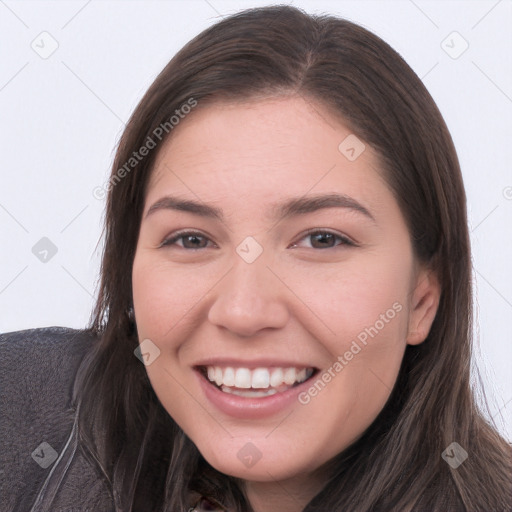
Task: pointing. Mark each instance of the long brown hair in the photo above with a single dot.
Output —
(397, 463)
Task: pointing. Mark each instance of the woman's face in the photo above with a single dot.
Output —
(270, 248)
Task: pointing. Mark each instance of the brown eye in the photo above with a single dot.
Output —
(188, 240)
(194, 242)
(323, 240)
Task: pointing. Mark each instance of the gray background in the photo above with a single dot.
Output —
(62, 114)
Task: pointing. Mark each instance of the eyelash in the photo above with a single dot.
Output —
(344, 239)
(182, 234)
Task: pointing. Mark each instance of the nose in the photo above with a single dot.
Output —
(249, 299)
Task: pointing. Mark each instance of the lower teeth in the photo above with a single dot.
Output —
(249, 393)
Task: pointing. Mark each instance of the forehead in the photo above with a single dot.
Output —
(263, 149)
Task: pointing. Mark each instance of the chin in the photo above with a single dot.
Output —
(260, 460)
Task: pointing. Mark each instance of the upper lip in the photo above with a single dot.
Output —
(252, 364)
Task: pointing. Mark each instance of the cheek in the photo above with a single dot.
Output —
(368, 316)
(358, 313)
(166, 300)
(164, 296)
(363, 300)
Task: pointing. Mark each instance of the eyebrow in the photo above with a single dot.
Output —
(303, 205)
(290, 208)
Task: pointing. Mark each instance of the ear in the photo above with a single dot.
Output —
(423, 306)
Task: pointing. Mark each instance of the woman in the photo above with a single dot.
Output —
(287, 256)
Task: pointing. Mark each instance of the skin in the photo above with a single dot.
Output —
(294, 299)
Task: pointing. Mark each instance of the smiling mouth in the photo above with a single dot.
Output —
(256, 383)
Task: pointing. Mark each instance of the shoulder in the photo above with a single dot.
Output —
(48, 354)
(30, 341)
(37, 373)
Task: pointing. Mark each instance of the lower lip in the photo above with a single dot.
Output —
(250, 408)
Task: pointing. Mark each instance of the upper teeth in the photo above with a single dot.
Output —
(259, 378)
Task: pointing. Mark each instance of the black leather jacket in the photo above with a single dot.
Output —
(42, 467)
